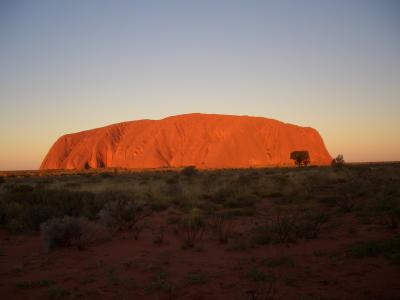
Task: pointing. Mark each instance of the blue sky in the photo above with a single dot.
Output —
(67, 66)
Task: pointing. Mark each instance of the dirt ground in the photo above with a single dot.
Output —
(125, 268)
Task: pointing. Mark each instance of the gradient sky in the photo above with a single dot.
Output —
(67, 66)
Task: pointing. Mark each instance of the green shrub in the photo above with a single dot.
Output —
(389, 248)
(159, 283)
(277, 262)
(365, 249)
(24, 285)
(197, 277)
(256, 274)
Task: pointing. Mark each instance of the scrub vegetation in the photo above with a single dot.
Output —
(275, 233)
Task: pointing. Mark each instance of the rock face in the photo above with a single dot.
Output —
(202, 140)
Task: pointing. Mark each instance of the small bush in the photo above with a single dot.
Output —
(222, 226)
(240, 212)
(262, 235)
(23, 208)
(24, 285)
(365, 249)
(256, 274)
(36, 215)
(106, 175)
(70, 231)
(346, 203)
(12, 216)
(241, 201)
(283, 228)
(389, 248)
(19, 188)
(261, 293)
(158, 235)
(223, 195)
(125, 214)
(311, 224)
(388, 211)
(191, 228)
(2, 180)
(287, 228)
(189, 171)
(197, 277)
(56, 293)
(159, 283)
(277, 262)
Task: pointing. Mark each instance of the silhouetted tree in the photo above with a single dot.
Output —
(300, 158)
(338, 162)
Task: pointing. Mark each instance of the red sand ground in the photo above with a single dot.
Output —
(202, 140)
(123, 268)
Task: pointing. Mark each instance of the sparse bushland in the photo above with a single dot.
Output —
(24, 208)
(256, 222)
